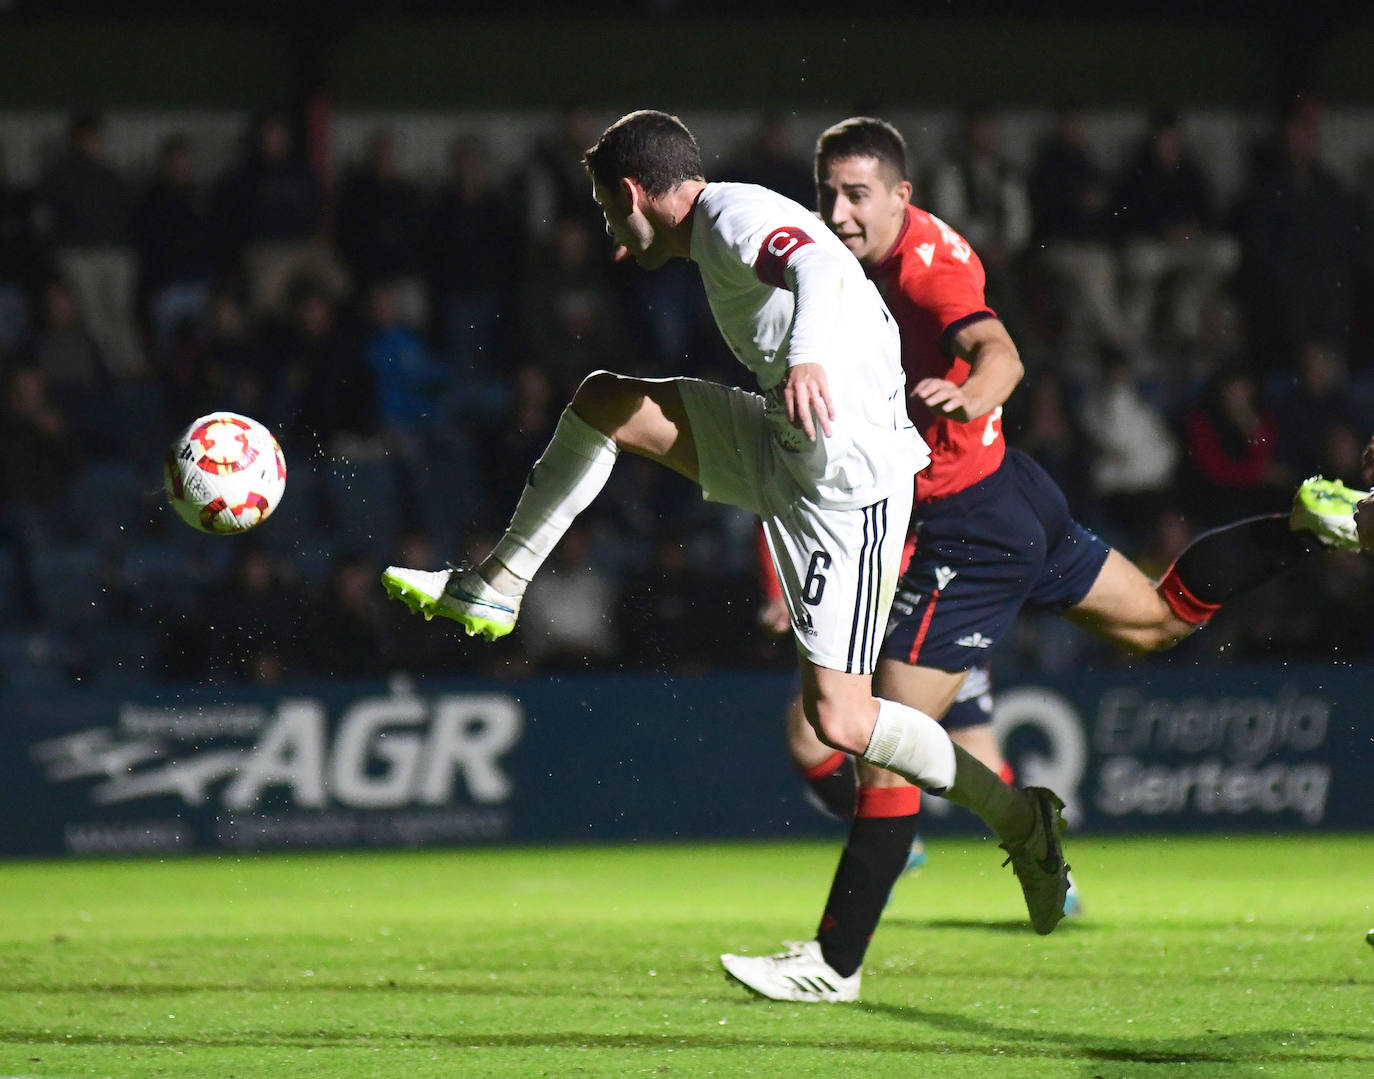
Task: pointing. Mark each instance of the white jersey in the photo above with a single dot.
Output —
(785, 291)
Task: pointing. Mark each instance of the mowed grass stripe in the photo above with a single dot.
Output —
(1198, 956)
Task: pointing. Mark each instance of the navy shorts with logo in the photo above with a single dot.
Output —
(981, 555)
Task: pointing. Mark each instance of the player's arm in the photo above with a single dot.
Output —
(994, 370)
(815, 276)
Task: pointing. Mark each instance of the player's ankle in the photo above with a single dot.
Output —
(496, 574)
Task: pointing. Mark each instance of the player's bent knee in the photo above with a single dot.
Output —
(840, 728)
(602, 396)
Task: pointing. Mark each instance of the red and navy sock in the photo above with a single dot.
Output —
(874, 856)
(1230, 560)
(835, 783)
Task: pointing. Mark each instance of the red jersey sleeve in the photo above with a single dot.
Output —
(933, 283)
(943, 275)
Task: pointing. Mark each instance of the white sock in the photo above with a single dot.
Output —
(913, 745)
(574, 467)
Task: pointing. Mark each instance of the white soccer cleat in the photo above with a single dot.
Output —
(799, 974)
(456, 593)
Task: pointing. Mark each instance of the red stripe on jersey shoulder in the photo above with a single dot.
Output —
(779, 246)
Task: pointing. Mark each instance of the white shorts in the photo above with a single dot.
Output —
(838, 567)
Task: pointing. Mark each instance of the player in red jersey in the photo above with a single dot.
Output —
(992, 532)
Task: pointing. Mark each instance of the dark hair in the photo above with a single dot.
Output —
(862, 136)
(650, 147)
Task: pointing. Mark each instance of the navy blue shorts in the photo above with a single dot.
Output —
(981, 555)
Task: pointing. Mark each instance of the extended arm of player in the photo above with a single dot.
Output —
(994, 370)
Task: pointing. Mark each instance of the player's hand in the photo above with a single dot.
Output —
(1364, 522)
(773, 616)
(943, 398)
(806, 393)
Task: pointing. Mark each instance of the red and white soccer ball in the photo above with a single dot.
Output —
(225, 474)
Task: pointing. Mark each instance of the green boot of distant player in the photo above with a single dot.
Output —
(1326, 508)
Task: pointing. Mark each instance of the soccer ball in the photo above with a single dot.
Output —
(225, 474)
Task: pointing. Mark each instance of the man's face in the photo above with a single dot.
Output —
(630, 230)
(864, 203)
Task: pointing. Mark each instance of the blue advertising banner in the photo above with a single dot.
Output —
(449, 762)
(398, 764)
(1207, 749)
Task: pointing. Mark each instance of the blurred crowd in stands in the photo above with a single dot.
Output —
(412, 344)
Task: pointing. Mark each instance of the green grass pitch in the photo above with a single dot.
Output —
(1197, 957)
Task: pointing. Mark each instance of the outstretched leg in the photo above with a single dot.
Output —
(1123, 606)
(607, 414)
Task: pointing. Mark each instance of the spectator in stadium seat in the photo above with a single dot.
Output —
(176, 248)
(84, 208)
(381, 229)
(325, 392)
(475, 269)
(1299, 239)
(983, 196)
(768, 156)
(274, 209)
(1043, 421)
(553, 185)
(571, 319)
(573, 610)
(412, 387)
(1318, 400)
(1070, 204)
(662, 608)
(508, 443)
(247, 627)
(72, 362)
(1170, 228)
(40, 443)
(1232, 450)
(1135, 454)
(229, 367)
(347, 639)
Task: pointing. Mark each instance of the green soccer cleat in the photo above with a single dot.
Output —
(459, 594)
(1326, 508)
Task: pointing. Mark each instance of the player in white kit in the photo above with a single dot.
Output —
(825, 454)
